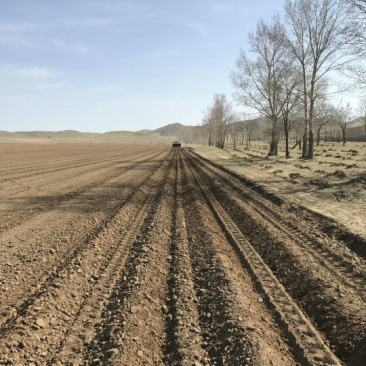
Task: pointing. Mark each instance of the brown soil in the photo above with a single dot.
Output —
(147, 255)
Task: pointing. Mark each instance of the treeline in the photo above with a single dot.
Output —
(242, 133)
(289, 74)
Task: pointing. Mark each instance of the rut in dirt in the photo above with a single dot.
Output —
(335, 309)
(184, 266)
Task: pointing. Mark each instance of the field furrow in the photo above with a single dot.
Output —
(19, 210)
(56, 237)
(149, 255)
(184, 342)
(323, 291)
(64, 179)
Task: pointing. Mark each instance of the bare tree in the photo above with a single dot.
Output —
(248, 128)
(359, 4)
(362, 112)
(356, 36)
(207, 124)
(316, 38)
(357, 29)
(217, 118)
(200, 133)
(234, 130)
(258, 81)
(324, 114)
(297, 129)
(291, 97)
(243, 128)
(242, 133)
(344, 117)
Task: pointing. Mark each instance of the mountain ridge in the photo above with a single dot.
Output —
(167, 132)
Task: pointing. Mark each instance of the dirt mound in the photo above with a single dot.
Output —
(320, 183)
(338, 174)
(358, 180)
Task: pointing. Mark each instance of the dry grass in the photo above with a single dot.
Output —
(333, 183)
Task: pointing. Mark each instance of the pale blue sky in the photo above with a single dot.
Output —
(102, 65)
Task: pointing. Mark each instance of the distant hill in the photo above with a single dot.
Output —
(173, 129)
(356, 123)
(121, 133)
(166, 133)
(260, 122)
(67, 135)
(55, 134)
(143, 131)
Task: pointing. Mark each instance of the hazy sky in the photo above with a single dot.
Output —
(101, 65)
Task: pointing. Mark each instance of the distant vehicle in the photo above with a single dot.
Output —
(176, 144)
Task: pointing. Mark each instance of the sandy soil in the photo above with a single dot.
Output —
(148, 255)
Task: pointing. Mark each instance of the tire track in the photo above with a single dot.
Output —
(226, 341)
(184, 338)
(349, 269)
(334, 307)
(264, 342)
(308, 344)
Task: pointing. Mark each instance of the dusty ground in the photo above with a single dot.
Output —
(332, 184)
(70, 136)
(148, 255)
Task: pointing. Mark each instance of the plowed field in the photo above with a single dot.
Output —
(148, 255)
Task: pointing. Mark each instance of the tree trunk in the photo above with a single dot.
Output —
(306, 115)
(273, 147)
(344, 136)
(305, 139)
(305, 143)
(310, 153)
(311, 145)
(318, 137)
(285, 122)
(222, 142)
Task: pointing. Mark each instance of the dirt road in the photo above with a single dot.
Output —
(147, 255)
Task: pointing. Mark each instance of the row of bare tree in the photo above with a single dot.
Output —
(216, 120)
(289, 73)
